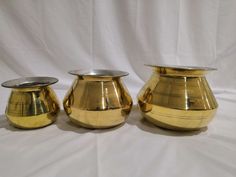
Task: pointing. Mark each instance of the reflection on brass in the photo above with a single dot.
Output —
(178, 98)
(98, 99)
(32, 103)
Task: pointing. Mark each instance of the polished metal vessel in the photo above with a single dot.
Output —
(178, 98)
(98, 99)
(32, 103)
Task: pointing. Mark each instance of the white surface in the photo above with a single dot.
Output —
(51, 37)
(135, 149)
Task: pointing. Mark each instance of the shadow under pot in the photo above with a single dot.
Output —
(32, 103)
(98, 99)
(178, 98)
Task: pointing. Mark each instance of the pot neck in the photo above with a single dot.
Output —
(98, 79)
(98, 74)
(29, 89)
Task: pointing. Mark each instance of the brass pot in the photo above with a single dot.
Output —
(178, 98)
(98, 99)
(32, 103)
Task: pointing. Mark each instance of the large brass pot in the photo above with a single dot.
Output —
(32, 103)
(98, 99)
(178, 98)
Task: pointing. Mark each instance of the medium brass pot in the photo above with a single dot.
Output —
(32, 103)
(178, 98)
(98, 99)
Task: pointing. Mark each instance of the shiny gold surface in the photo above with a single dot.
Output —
(98, 99)
(32, 103)
(178, 98)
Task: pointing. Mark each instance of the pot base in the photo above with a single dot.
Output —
(185, 120)
(97, 119)
(169, 127)
(88, 126)
(32, 122)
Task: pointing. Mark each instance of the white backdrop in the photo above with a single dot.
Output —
(51, 37)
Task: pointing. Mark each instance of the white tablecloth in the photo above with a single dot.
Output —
(49, 38)
(136, 148)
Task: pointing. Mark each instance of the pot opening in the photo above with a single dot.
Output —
(29, 82)
(174, 70)
(178, 67)
(99, 73)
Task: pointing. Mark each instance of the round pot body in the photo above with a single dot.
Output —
(32, 103)
(178, 98)
(98, 99)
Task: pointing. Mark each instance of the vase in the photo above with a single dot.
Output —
(178, 98)
(98, 99)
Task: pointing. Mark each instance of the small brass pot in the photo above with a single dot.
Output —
(32, 103)
(178, 98)
(98, 99)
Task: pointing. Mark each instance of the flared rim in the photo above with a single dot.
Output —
(179, 67)
(103, 73)
(29, 82)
